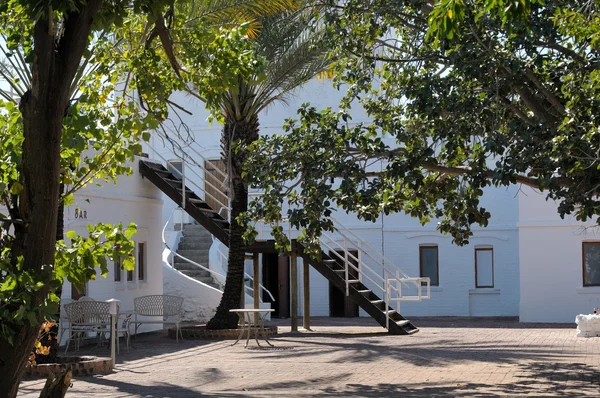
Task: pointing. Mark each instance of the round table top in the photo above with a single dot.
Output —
(252, 310)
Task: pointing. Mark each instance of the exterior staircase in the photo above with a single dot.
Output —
(366, 299)
(195, 246)
(336, 272)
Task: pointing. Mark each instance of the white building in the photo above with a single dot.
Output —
(132, 199)
(527, 263)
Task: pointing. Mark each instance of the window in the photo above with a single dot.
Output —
(176, 167)
(117, 269)
(141, 261)
(76, 294)
(428, 261)
(484, 267)
(129, 276)
(591, 263)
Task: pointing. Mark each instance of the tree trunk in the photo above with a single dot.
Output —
(245, 132)
(57, 385)
(232, 293)
(42, 107)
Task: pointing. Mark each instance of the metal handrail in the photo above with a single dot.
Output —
(260, 285)
(185, 180)
(175, 254)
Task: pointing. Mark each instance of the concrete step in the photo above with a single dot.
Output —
(193, 253)
(194, 244)
(208, 280)
(198, 274)
(196, 233)
(190, 267)
(194, 227)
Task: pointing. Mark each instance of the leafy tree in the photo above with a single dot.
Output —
(292, 55)
(61, 123)
(461, 95)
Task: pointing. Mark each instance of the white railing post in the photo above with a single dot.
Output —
(387, 300)
(183, 182)
(346, 266)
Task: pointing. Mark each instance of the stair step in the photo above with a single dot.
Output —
(193, 253)
(197, 202)
(402, 323)
(364, 291)
(413, 331)
(196, 234)
(390, 312)
(154, 166)
(375, 302)
(195, 244)
(354, 281)
(198, 274)
(190, 267)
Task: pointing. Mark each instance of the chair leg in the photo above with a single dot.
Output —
(118, 344)
(68, 341)
(127, 341)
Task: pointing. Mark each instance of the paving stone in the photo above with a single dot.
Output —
(355, 357)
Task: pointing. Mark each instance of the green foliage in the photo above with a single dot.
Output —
(460, 96)
(76, 262)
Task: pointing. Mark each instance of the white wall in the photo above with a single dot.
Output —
(550, 253)
(456, 294)
(133, 199)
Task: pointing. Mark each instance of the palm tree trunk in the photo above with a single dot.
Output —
(246, 133)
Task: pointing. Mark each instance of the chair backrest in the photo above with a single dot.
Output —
(85, 298)
(88, 312)
(158, 305)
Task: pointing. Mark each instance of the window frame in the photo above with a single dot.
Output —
(437, 262)
(583, 264)
(118, 272)
(141, 265)
(491, 249)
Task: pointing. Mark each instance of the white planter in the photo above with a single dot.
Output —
(588, 325)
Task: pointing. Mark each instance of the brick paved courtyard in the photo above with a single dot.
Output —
(353, 357)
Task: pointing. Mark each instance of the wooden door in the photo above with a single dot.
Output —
(214, 187)
(283, 271)
(276, 278)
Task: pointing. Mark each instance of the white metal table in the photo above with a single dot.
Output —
(247, 317)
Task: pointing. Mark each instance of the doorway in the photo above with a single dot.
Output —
(276, 278)
(339, 304)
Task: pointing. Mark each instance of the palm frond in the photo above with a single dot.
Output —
(295, 54)
(234, 12)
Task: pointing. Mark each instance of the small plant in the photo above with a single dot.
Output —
(45, 349)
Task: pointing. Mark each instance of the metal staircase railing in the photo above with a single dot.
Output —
(372, 268)
(200, 177)
(173, 254)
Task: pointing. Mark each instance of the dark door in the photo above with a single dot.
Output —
(339, 304)
(276, 278)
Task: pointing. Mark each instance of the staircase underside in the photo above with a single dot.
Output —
(200, 211)
(360, 294)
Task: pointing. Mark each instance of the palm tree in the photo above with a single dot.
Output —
(294, 54)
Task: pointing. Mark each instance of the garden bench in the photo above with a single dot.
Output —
(163, 306)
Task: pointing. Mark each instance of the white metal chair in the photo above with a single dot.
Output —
(123, 323)
(86, 317)
(163, 306)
